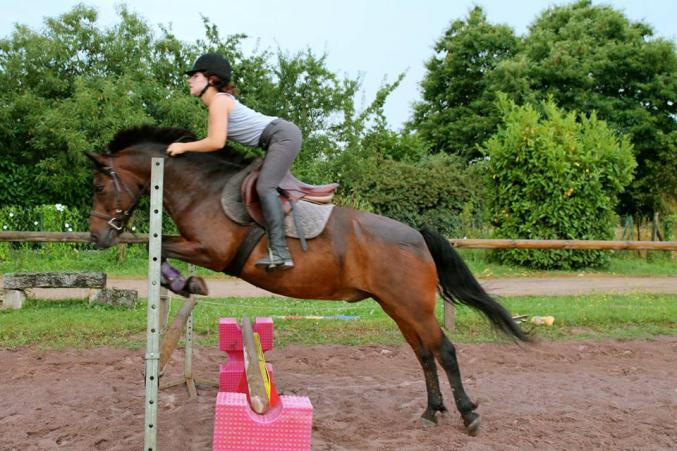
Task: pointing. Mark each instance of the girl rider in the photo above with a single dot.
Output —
(210, 80)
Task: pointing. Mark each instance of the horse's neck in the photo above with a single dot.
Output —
(183, 190)
(186, 190)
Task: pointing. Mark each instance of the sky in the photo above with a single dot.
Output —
(375, 40)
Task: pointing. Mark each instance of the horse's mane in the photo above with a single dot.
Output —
(147, 134)
(166, 135)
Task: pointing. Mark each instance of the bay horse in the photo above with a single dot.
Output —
(359, 255)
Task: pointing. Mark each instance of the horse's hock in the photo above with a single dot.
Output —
(16, 284)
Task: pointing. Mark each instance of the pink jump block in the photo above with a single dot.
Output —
(231, 374)
(233, 378)
(286, 427)
(230, 334)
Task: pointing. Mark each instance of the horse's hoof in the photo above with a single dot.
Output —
(426, 423)
(474, 427)
(197, 285)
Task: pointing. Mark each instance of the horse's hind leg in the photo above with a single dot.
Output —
(447, 358)
(422, 331)
(426, 358)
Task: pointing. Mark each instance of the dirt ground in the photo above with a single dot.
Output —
(619, 395)
(504, 286)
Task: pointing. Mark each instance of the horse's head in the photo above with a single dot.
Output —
(116, 193)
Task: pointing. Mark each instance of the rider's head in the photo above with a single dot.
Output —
(210, 69)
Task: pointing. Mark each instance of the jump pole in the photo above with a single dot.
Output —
(152, 358)
(170, 341)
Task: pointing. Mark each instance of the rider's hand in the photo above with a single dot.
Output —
(175, 149)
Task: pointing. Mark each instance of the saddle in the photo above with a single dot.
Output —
(291, 190)
(310, 207)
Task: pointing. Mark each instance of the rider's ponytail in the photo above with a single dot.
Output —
(223, 86)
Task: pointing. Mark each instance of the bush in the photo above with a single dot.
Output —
(555, 175)
(439, 191)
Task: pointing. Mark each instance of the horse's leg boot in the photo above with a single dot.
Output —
(175, 282)
(278, 252)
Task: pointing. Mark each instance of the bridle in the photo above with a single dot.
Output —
(119, 220)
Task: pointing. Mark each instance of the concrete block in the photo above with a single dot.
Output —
(114, 296)
(13, 299)
(23, 280)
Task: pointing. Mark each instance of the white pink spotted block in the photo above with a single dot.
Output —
(286, 426)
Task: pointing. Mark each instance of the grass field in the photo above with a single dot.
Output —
(132, 261)
(58, 324)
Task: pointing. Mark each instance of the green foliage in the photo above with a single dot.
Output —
(48, 218)
(592, 58)
(588, 58)
(458, 107)
(393, 177)
(556, 176)
(71, 86)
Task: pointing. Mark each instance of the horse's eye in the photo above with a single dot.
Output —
(98, 188)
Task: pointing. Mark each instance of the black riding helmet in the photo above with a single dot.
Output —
(212, 64)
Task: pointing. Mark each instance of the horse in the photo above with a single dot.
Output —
(358, 255)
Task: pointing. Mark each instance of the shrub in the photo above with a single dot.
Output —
(439, 191)
(555, 175)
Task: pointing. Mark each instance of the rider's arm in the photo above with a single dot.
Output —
(217, 129)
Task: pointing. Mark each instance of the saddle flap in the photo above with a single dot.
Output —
(292, 190)
(240, 203)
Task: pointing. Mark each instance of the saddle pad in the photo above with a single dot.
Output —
(313, 217)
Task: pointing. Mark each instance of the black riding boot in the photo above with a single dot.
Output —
(278, 252)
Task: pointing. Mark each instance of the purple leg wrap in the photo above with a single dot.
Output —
(173, 277)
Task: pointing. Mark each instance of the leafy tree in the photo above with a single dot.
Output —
(586, 58)
(458, 109)
(592, 58)
(555, 175)
(69, 87)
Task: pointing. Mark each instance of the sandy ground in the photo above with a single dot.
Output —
(619, 395)
(516, 286)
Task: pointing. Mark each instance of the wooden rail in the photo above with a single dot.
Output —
(566, 244)
(65, 237)
(85, 237)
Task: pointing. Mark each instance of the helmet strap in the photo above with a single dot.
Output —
(204, 90)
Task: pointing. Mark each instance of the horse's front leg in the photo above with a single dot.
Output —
(190, 252)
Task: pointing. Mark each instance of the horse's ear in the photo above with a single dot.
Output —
(97, 159)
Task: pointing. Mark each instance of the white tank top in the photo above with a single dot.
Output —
(245, 125)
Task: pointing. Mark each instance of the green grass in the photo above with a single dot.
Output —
(59, 324)
(60, 257)
(623, 263)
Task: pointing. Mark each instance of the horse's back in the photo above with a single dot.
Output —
(375, 230)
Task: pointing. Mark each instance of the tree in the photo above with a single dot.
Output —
(592, 58)
(555, 175)
(458, 109)
(71, 86)
(586, 58)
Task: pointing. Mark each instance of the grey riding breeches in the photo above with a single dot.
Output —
(282, 141)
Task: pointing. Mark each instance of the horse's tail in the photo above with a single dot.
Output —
(458, 285)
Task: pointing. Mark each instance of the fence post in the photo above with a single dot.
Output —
(152, 360)
(449, 316)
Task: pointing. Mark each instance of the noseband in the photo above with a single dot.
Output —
(119, 220)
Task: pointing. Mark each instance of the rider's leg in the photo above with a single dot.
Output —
(284, 144)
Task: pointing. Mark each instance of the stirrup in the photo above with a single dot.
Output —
(273, 262)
